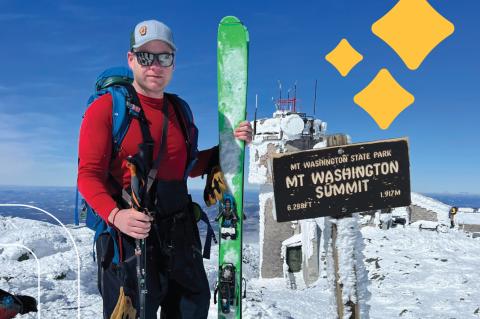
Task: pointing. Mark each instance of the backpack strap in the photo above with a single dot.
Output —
(161, 150)
(189, 129)
(210, 235)
(178, 103)
(135, 108)
(120, 116)
(125, 106)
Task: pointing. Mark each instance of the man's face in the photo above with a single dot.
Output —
(151, 80)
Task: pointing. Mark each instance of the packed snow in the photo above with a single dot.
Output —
(412, 274)
(422, 274)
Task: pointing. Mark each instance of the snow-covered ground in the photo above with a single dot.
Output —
(56, 270)
(422, 274)
(413, 274)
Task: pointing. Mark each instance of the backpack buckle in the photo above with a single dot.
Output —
(133, 109)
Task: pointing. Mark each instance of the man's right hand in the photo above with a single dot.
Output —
(131, 222)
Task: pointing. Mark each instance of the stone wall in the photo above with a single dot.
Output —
(274, 234)
(469, 228)
(419, 213)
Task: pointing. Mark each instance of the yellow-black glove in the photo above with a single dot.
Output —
(215, 186)
(124, 308)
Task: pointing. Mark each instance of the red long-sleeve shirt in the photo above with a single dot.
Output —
(95, 151)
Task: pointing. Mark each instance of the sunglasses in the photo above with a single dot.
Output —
(147, 58)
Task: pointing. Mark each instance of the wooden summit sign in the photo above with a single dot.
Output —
(337, 181)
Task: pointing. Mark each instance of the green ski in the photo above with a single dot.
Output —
(232, 55)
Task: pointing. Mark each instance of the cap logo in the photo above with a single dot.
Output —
(143, 30)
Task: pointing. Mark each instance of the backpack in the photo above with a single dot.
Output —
(118, 82)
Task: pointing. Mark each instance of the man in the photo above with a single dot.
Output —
(451, 214)
(176, 278)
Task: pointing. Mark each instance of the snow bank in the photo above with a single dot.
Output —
(467, 218)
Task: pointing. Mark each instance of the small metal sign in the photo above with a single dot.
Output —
(341, 180)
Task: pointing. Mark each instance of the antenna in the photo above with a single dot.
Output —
(276, 104)
(255, 118)
(315, 98)
(280, 89)
(295, 97)
(288, 100)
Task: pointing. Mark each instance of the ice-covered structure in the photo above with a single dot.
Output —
(298, 243)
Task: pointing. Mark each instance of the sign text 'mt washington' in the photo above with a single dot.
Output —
(340, 180)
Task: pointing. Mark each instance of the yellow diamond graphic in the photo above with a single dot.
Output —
(384, 99)
(413, 28)
(344, 57)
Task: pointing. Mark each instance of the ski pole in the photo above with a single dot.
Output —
(140, 244)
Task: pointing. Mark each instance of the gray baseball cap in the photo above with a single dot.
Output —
(150, 30)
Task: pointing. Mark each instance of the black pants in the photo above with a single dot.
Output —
(176, 281)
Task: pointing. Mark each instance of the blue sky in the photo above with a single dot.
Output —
(53, 50)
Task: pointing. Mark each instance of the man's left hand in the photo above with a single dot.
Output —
(244, 132)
